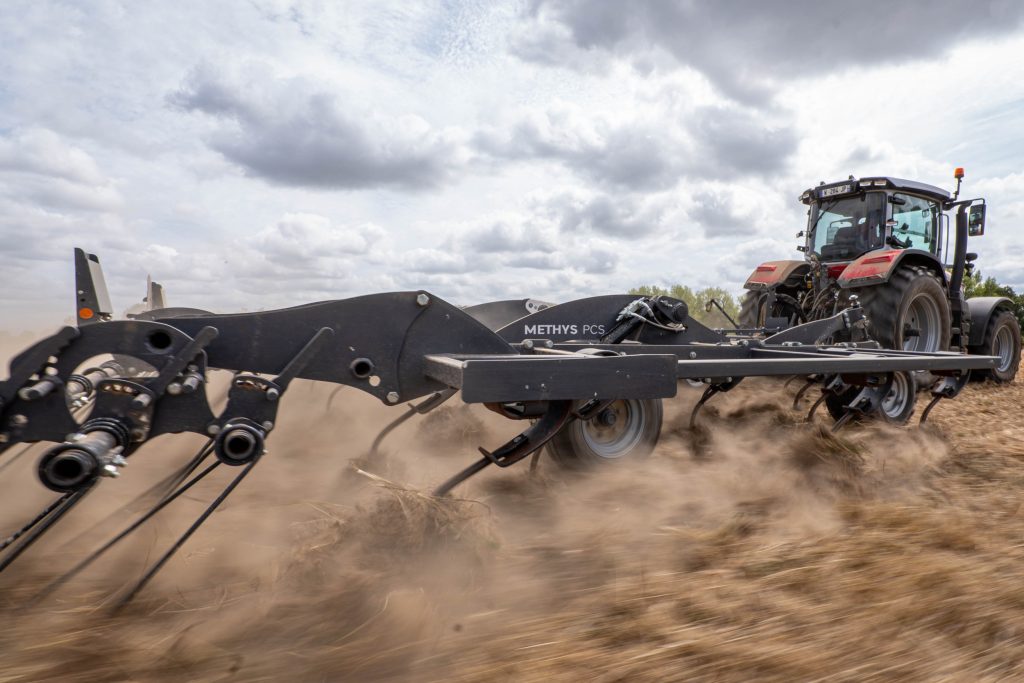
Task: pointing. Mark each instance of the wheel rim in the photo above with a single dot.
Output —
(617, 439)
(922, 315)
(1003, 347)
(895, 402)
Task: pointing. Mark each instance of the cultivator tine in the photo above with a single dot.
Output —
(421, 408)
(803, 390)
(556, 416)
(164, 488)
(947, 387)
(38, 518)
(42, 523)
(838, 424)
(191, 530)
(704, 398)
(814, 408)
(168, 484)
(94, 555)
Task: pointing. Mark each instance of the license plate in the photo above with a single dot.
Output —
(838, 189)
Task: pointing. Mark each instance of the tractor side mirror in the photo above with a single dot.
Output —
(976, 221)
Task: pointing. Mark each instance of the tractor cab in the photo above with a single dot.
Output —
(897, 249)
(851, 218)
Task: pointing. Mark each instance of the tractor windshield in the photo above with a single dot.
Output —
(843, 229)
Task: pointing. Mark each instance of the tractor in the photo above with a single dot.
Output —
(885, 244)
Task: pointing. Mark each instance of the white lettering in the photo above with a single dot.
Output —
(541, 329)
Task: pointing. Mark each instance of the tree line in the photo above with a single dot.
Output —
(974, 285)
(696, 301)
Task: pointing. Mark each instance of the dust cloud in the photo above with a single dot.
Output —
(753, 548)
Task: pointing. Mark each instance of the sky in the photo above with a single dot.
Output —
(269, 153)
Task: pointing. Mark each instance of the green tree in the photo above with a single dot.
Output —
(975, 285)
(696, 302)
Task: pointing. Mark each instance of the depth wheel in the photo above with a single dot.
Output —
(627, 429)
(897, 406)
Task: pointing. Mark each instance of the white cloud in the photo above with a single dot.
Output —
(265, 154)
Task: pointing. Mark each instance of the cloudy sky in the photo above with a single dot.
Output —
(272, 152)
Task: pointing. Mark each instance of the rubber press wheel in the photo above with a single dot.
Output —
(626, 429)
(897, 406)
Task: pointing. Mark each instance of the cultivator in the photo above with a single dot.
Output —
(587, 377)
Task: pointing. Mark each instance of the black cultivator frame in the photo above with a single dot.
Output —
(552, 366)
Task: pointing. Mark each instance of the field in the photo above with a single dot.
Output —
(757, 548)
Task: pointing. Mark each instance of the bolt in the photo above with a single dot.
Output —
(693, 354)
(267, 425)
(213, 430)
(19, 420)
(392, 397)
(174, 388)
(548, 343)
(422, 299)
(528, 344)
(273, 394)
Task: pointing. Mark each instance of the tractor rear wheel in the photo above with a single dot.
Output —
(910, 312)
(626, 430)
(1002, 339)
(752, 309)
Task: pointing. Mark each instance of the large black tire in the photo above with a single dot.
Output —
(627, 430)
(751, 309)
(1002, 339)
(913, 299)
(752, 313)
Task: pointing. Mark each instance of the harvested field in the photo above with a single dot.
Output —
(758, 548)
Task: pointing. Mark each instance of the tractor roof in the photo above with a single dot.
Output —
(852, 185)
(914, 186)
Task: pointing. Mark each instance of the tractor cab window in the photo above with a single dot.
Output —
(915, 222)
(843, 229)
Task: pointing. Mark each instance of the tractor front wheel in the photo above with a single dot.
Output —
(626, 429)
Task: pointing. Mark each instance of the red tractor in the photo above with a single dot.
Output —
(886, 243)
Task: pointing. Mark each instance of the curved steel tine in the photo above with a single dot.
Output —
(531, 440)
(165, 486)
(821, 399)
(44, 522)
(928, 409)
(842, 421)
(803, 390)
(421, 408)
(36, 520)
(708, 393)
(141, 583)
(94, 555)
